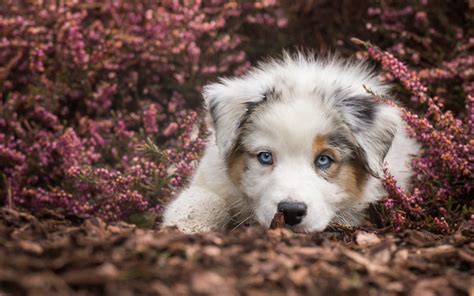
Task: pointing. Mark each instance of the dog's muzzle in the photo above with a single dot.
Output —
(293, 212)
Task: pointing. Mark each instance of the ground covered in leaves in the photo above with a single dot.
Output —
(53, 254)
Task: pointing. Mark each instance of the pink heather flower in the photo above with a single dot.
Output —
(70, 139)
(10, 155)
(442, 224)
(170, 129)
(421, 17)
(149, 119)
(45, 117)
(398, 220)
(70, 148)
(102, 98)
(446, 163)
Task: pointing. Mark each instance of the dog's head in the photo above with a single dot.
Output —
(302, 136)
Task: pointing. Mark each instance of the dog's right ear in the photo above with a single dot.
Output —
(229, 105)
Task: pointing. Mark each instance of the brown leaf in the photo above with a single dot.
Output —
(95, 226)
(366, 239)
(368, 264)
(438, 251)
(299, 276)
(432, 286)
(91, 276)
(210, 283)
(89, 257)
(278, 221)
(466, 256)
(30, 247)
(420, 238)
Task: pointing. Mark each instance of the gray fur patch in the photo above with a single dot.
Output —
(359, 111)
(361, 155)
(213, 111)
(250, 109)
(364, 108)
(342, 141)
(386, 139)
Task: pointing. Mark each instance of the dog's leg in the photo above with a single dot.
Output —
(196, 210)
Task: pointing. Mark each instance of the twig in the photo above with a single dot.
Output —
(9, 194)
(278, 221)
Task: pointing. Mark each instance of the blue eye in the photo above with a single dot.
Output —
(265, 158)
(323, 161)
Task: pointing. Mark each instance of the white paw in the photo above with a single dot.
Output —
(197, 210)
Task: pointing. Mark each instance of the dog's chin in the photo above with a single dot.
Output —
(305, 227)
(302, 228)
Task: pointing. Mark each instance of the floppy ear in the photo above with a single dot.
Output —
(373, 125)
(229, 105)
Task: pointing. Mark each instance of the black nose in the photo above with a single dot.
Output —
(292, 211)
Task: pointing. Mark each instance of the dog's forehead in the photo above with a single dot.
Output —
(290, 124)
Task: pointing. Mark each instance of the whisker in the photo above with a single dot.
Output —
(243, 221)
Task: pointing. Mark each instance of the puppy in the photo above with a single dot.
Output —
(298, 135)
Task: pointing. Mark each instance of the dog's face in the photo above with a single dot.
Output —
(301, 143)
(298, 158)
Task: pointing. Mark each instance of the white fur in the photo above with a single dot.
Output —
(306, 96)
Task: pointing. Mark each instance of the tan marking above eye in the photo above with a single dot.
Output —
(319, 144)
(349, 175)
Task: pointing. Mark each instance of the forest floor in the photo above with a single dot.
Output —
(50, 254)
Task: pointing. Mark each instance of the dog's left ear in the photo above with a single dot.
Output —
(229, 105)
(374, 125)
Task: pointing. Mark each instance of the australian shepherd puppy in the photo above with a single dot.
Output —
(298, 135)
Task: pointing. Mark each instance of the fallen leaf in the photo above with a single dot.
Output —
(366, 239)
(210, 283)
(30, 247)
(278, 221)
